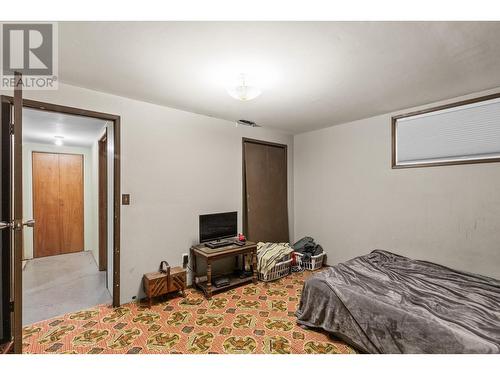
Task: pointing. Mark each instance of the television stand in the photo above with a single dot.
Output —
(211, 255)
(219, 243)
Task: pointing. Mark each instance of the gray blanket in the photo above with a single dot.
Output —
(386, 303)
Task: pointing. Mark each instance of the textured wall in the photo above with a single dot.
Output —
(350, 200)
(175, 165)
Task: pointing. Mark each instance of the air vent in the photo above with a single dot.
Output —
(247, 123)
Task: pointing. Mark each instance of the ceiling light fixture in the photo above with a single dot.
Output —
(242, 90)
(59, 140)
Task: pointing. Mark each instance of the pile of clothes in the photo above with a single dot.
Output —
(270, 253)
(307, 247)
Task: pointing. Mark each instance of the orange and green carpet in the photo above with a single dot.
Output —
(249, 319)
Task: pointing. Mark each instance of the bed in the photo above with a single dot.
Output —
(386, 303)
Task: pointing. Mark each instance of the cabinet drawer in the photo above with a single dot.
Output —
(157, 287)
(177, 282)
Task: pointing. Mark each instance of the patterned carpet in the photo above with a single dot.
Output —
(249, 319)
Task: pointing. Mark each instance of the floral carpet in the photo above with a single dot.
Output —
(249, 319)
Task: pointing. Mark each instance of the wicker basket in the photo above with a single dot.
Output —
(279, 270)
(314, 263)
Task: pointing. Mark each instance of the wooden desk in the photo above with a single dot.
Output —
(210, 255)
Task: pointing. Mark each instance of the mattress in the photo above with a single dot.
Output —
(386, 303)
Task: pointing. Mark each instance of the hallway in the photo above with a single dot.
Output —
(57, 285)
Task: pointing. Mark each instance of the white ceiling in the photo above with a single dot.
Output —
(313, 74)
(78, 131)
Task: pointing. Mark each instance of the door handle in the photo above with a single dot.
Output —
(5, 225)
(18, 224)
(29, 223)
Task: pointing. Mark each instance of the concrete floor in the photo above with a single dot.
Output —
(60, 284)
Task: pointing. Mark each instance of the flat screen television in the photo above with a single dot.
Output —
(218, 226)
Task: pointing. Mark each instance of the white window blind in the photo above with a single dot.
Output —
(463, 133)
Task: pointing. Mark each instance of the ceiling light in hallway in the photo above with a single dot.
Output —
(59, 140)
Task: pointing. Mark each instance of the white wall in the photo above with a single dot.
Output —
(350, 200)
(89, 213)
(170, 161)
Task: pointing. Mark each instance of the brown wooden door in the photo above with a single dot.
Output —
(11, 220)
(47, 231)
(57, 203)
(103, 203)
(265, 187)
(71, 202)
(5, 221)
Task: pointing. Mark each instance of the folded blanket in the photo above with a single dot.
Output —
(269, 253)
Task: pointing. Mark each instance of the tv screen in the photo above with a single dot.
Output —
(217, 226)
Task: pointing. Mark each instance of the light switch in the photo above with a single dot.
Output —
(125, 199)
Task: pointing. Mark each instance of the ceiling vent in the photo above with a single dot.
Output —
(247, 123)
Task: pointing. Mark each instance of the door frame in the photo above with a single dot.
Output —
(115, 119)
(102, 161)
(244, 179)
(33, 152)
(7, 235)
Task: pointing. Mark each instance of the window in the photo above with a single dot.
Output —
(458, 133)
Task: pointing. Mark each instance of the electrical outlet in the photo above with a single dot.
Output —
(185, 260)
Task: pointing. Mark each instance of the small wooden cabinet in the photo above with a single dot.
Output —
(158, 283)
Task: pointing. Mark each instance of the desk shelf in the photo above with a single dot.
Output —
(234, 281)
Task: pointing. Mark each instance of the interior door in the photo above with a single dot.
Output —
(6, 218)
(47, 234)
(11, 224)
(17, 197)
(265, 191)
(103, 203)
(71, 202)
(58, 203)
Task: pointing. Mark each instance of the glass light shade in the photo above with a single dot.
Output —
(244, 93)
(59, 140)
(242, 90)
